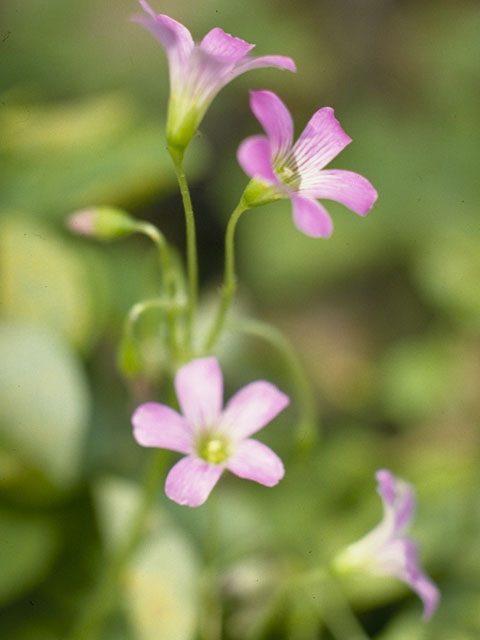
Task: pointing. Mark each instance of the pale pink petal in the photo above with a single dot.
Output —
(414, 576)
(156, 425)
(251, 408)
(349, 188)
(174, 37)
(275, 118)
(311, 217)
(199, 387)
(255, 461)
(398, 500)
(322, 139)
(191, 480)
(255, 157)
(225, 46)
(279, 62)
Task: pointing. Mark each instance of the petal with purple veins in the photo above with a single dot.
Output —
(199, 387)
(156, 425)
(322, 140)
(251, 408)
(225, 46)
(255, 461)
(191, 480)
(349, 188)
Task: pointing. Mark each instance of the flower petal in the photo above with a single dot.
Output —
(191, 480)
(174, 37)
(255, 157)
(255, 461)
(398, 500)
(349, 188)
(225, 46)
(279, 62)
(275, 118)
(251, 408)
(322, 139)
(414, 576)
(311, 217)
(156, 425)
(199, 387)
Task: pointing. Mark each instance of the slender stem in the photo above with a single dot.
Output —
(103, 598)
(307, 433)
(191, 239)
(170, 280)
(229, 278)
(334, 607)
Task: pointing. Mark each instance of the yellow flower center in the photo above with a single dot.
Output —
(213, 448)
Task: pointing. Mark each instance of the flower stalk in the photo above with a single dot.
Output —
(229, 285)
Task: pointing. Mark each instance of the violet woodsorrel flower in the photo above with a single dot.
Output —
(385, 550)
(199, 71)
(212, 439)
(282, 170)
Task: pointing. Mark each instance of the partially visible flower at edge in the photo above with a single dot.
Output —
(199, 71)
(212, 439)
(385, 550)
(281, 169)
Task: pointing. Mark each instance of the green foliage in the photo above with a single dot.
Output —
(44, 401)
(29, 544)
(161, 580)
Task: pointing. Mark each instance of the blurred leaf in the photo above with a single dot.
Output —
(44, 281)
(448, 272)
(161, 579)
(416, 378)
(44, 401)
(93, 151)
(28, 546)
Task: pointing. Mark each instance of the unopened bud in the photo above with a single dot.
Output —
(104, 223)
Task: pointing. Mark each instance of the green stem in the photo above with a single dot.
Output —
(191, 240)
(307, 434)
(170, 280)
(229, 278)
(104, 596)
(334, 608)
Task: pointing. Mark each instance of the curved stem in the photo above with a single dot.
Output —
(307, 434)
(170, 280)
(102, 599)
(191, 240)
(229, 278)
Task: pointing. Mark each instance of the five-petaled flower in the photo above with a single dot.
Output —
(212, 439)
(199, 71)
(282, 170)
(385, 550)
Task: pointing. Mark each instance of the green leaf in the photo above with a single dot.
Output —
(99, 150)
(161, 579)
(28, 547)
(44, 401)
(44, 281)
(448, 272)
(416, 378)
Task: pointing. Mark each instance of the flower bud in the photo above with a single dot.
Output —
(103, 223)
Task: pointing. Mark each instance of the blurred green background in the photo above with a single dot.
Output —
(385, 314)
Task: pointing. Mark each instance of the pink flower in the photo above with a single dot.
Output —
(385, 550)
(283, 170)
(212, 439)
(199, 71)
